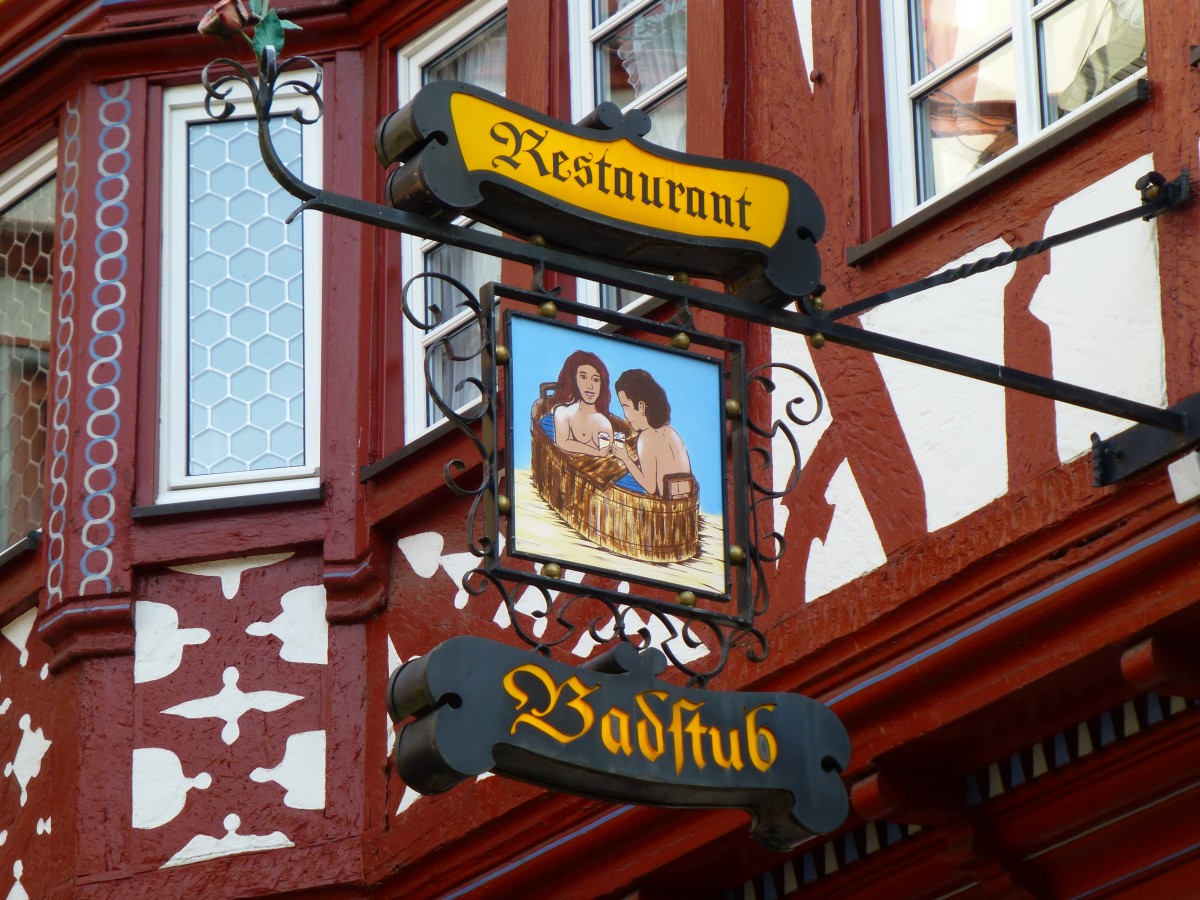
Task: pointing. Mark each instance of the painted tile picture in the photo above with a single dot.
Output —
(619, 465)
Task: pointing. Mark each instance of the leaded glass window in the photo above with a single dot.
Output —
(27, 224)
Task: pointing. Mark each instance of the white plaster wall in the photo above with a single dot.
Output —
(955, 425)
(851, 548)
(793, 348)
(1102, 304)
(802, 9)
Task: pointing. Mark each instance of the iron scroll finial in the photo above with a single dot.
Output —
(263, 88)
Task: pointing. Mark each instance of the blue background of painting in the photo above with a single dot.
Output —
(692, 383)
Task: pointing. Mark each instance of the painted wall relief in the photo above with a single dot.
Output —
(30, 795)
(229, 662)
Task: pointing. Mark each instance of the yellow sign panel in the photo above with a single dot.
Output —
(618, 179)
(599, 188)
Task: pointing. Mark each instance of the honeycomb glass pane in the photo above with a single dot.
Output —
(245, 303)
(26, 287)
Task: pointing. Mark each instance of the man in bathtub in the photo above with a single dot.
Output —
(660, 449)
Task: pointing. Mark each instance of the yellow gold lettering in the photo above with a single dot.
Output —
(693, 728)
(618, 743)
(619, 179)
(760, 740)
(734, 759)
(651, 751)
(535, 717)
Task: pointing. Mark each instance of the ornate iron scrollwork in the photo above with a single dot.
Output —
(263, 89)
(556, 611)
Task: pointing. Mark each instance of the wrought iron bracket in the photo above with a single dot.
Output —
(1139, 448)
(1159, 434)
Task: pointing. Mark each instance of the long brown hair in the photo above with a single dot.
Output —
(566, 390)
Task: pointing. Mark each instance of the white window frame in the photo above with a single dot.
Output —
(15, 183)
(412, 59)
(583, 101)
(900, 94)
(183, 106)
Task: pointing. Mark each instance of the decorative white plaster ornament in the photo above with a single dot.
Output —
(28, 761)
(203, 846)
(301, 772)
(160, 788)
(17, 891)
(158, 640)
(423, 552)
(230, 570)
(231, 704)
(17, 632)
(301, 626)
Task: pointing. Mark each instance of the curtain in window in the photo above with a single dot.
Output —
(480, 60)
(653, 47)
(1115, 48)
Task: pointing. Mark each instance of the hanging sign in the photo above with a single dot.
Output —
(616, 732)
(600, 188)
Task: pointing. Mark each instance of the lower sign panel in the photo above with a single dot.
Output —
(616, 732)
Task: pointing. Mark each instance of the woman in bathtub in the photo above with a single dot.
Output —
(583, 390)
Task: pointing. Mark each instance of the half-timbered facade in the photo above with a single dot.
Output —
(225, 517)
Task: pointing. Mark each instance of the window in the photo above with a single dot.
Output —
(241, 305)
(968, 80)
(634, 54)
(470, 47)
(27, 222)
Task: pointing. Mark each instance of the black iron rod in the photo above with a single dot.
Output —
(729, 304)
(1149, 210)
(1005, 376)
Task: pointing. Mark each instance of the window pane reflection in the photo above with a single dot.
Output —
(450, 365)
(668, 121)
(966, 122)
(643, 54)
(442, 300)
(1086, 48)
(458, 360)
(480, 60)
(946, 29)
